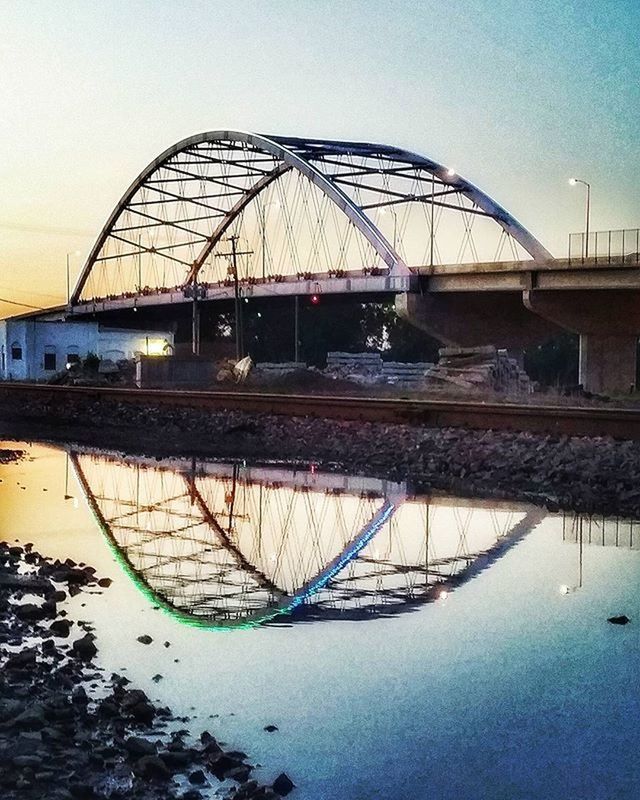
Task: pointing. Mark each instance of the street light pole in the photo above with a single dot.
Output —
(296, 328)
(431, 240)
(572, 182)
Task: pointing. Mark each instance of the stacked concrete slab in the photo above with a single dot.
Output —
(276, 369)
(370, 368)
(479, 368)
(356, 363)
(413, 375)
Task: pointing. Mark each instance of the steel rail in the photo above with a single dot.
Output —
(620, 423)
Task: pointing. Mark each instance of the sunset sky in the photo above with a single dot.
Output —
(517, 95)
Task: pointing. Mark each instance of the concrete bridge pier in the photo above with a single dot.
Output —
(608, 323)
(607, 363)
(473, 319)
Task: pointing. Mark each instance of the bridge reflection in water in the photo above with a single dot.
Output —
(228, 546)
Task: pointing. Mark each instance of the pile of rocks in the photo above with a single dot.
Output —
(67, 732)
(483, 368)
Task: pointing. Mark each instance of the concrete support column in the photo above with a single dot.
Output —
(608, 322)
(607, 363)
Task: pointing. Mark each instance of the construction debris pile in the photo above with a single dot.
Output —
(472, 369)
(93, 371)
(482, 368)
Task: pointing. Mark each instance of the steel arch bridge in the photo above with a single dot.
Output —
(283, 215)
(223, 547)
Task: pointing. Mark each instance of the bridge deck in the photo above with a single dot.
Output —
(506, 276)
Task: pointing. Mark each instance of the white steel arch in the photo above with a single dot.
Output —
(171, 195)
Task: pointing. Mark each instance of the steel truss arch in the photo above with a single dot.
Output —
(336, 169)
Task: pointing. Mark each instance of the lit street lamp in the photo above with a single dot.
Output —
(572, 182)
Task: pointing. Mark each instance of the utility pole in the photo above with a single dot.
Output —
(236, 291)
(196, 292)
(195, 317)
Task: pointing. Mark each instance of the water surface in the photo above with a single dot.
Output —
(405, 646)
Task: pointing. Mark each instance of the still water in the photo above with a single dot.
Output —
(405, 646)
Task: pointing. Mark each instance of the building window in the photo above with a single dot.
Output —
(16, 352)
(50, 359)
(73, 355)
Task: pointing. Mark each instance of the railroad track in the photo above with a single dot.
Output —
(620, 423)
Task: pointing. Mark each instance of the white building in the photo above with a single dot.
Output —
(35, 346)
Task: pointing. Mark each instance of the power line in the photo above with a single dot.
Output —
(24, 305)
(49, 229)
(56, 296)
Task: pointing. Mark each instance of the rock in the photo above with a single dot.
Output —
(239, 774)
(107, 708)
(270, 728)
(79, 696)
(137, 746)
(30, 719)
(623, 619)
(197, 777)
(157, 678)
(25, 659)
(283, 785)
(25, 582)
(105, 582)
(143, 712)
(153, 768)
(220, 764)
(10, 708)
(61, 628)
(176, 759)
(22, 762)
(145, 639)
(84, 648)
(30, 612)
(82, 791)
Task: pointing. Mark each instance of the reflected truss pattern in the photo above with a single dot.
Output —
(601, 531)
(297, 208)
(223, 546)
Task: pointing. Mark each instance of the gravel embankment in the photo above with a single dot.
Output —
(69, 732)
(592, 475)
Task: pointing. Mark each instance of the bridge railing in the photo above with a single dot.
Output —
(605, 247)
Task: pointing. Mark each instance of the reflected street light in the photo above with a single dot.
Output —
(573, 182)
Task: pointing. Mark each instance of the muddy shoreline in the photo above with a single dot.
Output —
(67, 730)
(590, 475)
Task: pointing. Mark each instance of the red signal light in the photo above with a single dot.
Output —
(315, 299)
